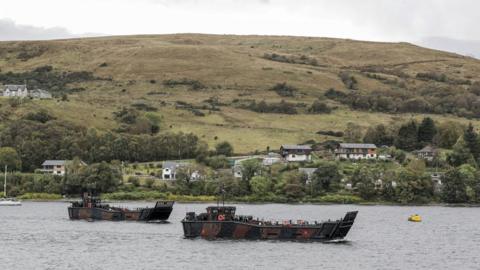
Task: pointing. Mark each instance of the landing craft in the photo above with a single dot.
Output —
(91, 208)
(221, 222)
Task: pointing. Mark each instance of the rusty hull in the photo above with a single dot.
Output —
(213, 229)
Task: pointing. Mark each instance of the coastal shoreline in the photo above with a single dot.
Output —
(68, 200)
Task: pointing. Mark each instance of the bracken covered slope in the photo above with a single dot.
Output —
(205, 83)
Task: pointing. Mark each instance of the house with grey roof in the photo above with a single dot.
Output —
(170, 170)
(356, 151)
(57, 167)
(15, 90)
(21, 90)
(428, 153)
(40, 94)
(293, 153)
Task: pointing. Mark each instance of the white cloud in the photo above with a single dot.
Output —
(9, 30)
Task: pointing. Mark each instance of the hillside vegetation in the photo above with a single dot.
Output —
(253, 91)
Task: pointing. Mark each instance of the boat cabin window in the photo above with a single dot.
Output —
(227, 211)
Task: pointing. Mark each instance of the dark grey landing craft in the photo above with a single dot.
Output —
(221, 222)
(93, 209)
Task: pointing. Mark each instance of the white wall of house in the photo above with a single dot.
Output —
(295, 157)
(167, 174)
(357, 156)
(56, 169)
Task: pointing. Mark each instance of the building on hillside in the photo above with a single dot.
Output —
(237, 171)
(40, 94)
(308, 172)
(292, 153)
(57, 167)
(356, 151)
(170, 170)
(15, 90)
(427, 153)
(271, 159)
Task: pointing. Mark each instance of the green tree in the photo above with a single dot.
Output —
(427, 130)
(217, 162)
(231, 185)
(413, 187)
(292, 185)
(471, 141)
(101, 177)
(261, 185)
(378, 135)
(454, 188)
(224, 148)
(407, 136)
(10, 158)
(326, 178)
(250, 168)
(448, 134)
(417, 167)
(460, 154)
(364, 178)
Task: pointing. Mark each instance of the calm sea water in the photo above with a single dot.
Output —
(40, 236)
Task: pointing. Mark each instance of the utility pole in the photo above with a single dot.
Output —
(5, 183)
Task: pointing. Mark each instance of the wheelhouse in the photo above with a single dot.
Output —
(221, 212)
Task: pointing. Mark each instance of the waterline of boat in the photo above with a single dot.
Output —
(9, 202)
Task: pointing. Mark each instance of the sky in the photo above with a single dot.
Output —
(451, 25)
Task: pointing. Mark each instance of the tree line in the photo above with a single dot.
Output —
(36, 141)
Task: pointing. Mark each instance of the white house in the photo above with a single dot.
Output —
(40, 94)
(57, 167)
(356, 151)
(14, 90)
(427, 153)
(293, 153)
(170, 170)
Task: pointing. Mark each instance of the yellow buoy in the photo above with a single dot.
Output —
(415, 218)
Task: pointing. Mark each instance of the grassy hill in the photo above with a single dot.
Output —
(180, 77)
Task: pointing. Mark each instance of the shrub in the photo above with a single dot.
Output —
(439, 77)
(319, 107)
(224, 148)
(282, 107)
(348, 80)
(331, 133)
(337, 198)
(40, 196)
(41, 116)
(134, 181)
(284, 90)
(193, 84)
